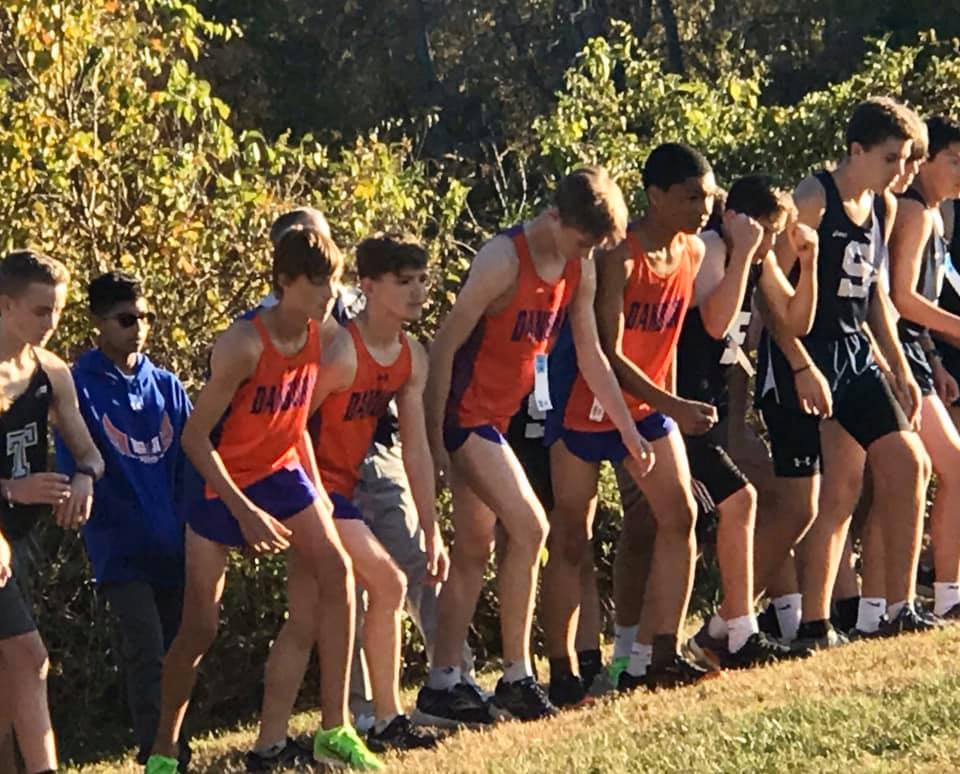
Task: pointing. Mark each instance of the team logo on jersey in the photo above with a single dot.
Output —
(18, 441)
(363, 404)
(658, 316)
(150, 451)
(537, 324)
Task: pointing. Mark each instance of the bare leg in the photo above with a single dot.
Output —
(206, 564)
(575, 501)
(24, 666)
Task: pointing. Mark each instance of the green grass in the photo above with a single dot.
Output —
(872, 706)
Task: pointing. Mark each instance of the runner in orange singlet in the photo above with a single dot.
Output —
(644, 287)
(488, 354)
(368, 363)
(243, 438)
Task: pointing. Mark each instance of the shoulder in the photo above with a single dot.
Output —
(811, 199)
(696, 246)
(498, 257)
(239, 347)
(54, 366)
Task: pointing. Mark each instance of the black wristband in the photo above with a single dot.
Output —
(86, 470)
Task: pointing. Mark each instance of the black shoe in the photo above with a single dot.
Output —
(710, 652)
(756, 651)
(589, 664)
(522, 700)
(819, 635)
(400, 734)
(673, 674)
(907, 621)
(291, 755)
(629, 682)
(462, 705)
(567, 691)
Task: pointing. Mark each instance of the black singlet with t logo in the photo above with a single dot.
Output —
(23, 433)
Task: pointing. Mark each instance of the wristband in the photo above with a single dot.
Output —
(801, 369)
(86, 470)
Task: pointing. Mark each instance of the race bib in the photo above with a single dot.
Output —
(541, 383)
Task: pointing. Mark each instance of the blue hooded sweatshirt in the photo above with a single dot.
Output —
(135, 532)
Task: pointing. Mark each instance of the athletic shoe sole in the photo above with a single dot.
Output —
(704, 656)
(420, 718)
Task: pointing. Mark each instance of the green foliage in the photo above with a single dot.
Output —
(618, 104)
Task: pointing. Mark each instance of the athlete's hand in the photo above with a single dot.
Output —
(805, 243)
(263, 533)
(640, 451)
(813, 392)
(6, 562)
(438, 560)
(441, 460)
(944, 383)
(39, 489)
(743, 230)
(693, 417)
(74, 512)
(908, 395)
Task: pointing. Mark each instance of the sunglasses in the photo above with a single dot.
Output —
(129, 319)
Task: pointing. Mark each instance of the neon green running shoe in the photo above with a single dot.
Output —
(342, 745)
(161, 764)
(616, 668)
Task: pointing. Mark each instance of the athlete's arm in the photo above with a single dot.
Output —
(793, 307)
(911, 233)
(418, 462)
(6, 559)
(233, 361)
(65, 413)
(719, 310)
(494, 270)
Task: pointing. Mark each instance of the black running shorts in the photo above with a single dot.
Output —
(712, 466)
(919, 366)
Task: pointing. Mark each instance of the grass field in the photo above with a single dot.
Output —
(870, 706)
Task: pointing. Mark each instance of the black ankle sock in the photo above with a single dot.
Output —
(813, 629)
(845, 613)
(664, 650)
(560, 667)
(590, 663)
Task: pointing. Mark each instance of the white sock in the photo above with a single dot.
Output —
(739, 630)
(945, 596)
(624, 638)
(894, 608)
(788, 608)
(869, 613)
(640, 659)
(717, 627)
(443, 678)
(515, 671)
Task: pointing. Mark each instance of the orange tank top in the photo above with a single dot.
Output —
(262, 428)
(343, 427)
(493, 370)
(653, 310)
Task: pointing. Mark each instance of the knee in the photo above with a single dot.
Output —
(529, 534)
(334, 570)
(471, 552)
(389, 588)
(740, 507)
(678, 518)
(901, 464)
(199, 629)
(572, 542)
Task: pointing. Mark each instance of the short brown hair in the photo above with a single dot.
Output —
(877, 120)
(918, 133)
(389, 254)
(305, 252)
(22, 267)
(298, 216)
(590, 201)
